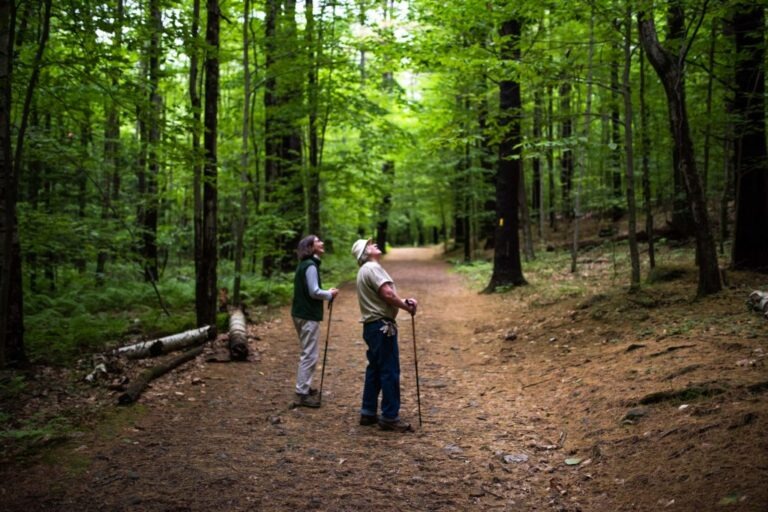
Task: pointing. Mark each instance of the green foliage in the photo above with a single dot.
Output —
(477, 272)
(33, 432)
(414, 89)
(83, 319)
(10, 388)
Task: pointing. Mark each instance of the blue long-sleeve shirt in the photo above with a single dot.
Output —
(313, 286)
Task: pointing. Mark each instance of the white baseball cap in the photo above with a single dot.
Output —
(358, 248)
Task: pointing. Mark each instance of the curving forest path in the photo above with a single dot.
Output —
(501, 416)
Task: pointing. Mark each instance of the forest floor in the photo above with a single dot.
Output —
(528, 403)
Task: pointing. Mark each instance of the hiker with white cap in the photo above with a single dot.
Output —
(307, 313)
(379, 305)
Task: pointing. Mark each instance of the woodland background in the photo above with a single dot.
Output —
(154, 152)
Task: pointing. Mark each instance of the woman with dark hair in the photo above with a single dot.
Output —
(307, 313)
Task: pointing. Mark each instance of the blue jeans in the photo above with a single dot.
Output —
(383, 372)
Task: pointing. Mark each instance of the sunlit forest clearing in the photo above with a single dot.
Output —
(576, 193)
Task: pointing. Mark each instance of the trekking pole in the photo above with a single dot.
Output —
(415, 361)
(325, 352)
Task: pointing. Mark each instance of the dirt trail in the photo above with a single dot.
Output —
(232, 443)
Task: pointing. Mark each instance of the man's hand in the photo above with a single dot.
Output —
(412, 305)
(334, 292)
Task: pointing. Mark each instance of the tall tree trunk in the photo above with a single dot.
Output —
(584, 152)
(616, 201)
(670, 71)
(682, 222)
(35, 169)
(11, 291)
(566, 155)
(728, 182)
(466, 192)
(537, 189)
(206, 304)
(525, 217)
(195, 103)
(291, 147)
(645, 149)
(708, 125)
(507, 268)
(313, 172)
(551, 158)
(242, 216)
(388, 168)
(382, 226)
(110, 187)
(634, 254)
(271, 133)
(11, 318)
(82, 184)
(283, 112)
(150, 218)
(750, 239)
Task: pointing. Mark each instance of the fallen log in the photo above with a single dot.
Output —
(154, 348)
(238, 338)
(136, 387)
(758, 301)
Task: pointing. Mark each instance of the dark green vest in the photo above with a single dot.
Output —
(305, 306)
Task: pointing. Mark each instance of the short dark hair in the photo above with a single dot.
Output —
(306, 247)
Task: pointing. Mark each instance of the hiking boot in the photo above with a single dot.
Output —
(313, 391)
(395, 425)
(367, 420)
(306, 401)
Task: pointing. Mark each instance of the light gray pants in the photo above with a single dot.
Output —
(309, 335)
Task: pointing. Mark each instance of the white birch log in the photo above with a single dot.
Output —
(759, 301)
(238, 337)
(152, 348)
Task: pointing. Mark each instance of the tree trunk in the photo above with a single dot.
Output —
(566, 155)
(11, 319)
(388, 170)
(551, 158)
(634, 254)
(242, 216)
(507, 268)
(149, 218)
(670, 73)
(283, 152)
(616, 201)
(708, 125)
(537, 189)
(11, 291)
(206, 303)
(195, 104)
(111, 172)
(682, 222)
(313, 172)
(585, 150)
(750, 238)
(525, 217)
(82, 183)
(645, 144)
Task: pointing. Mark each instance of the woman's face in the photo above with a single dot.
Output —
(318, 247)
